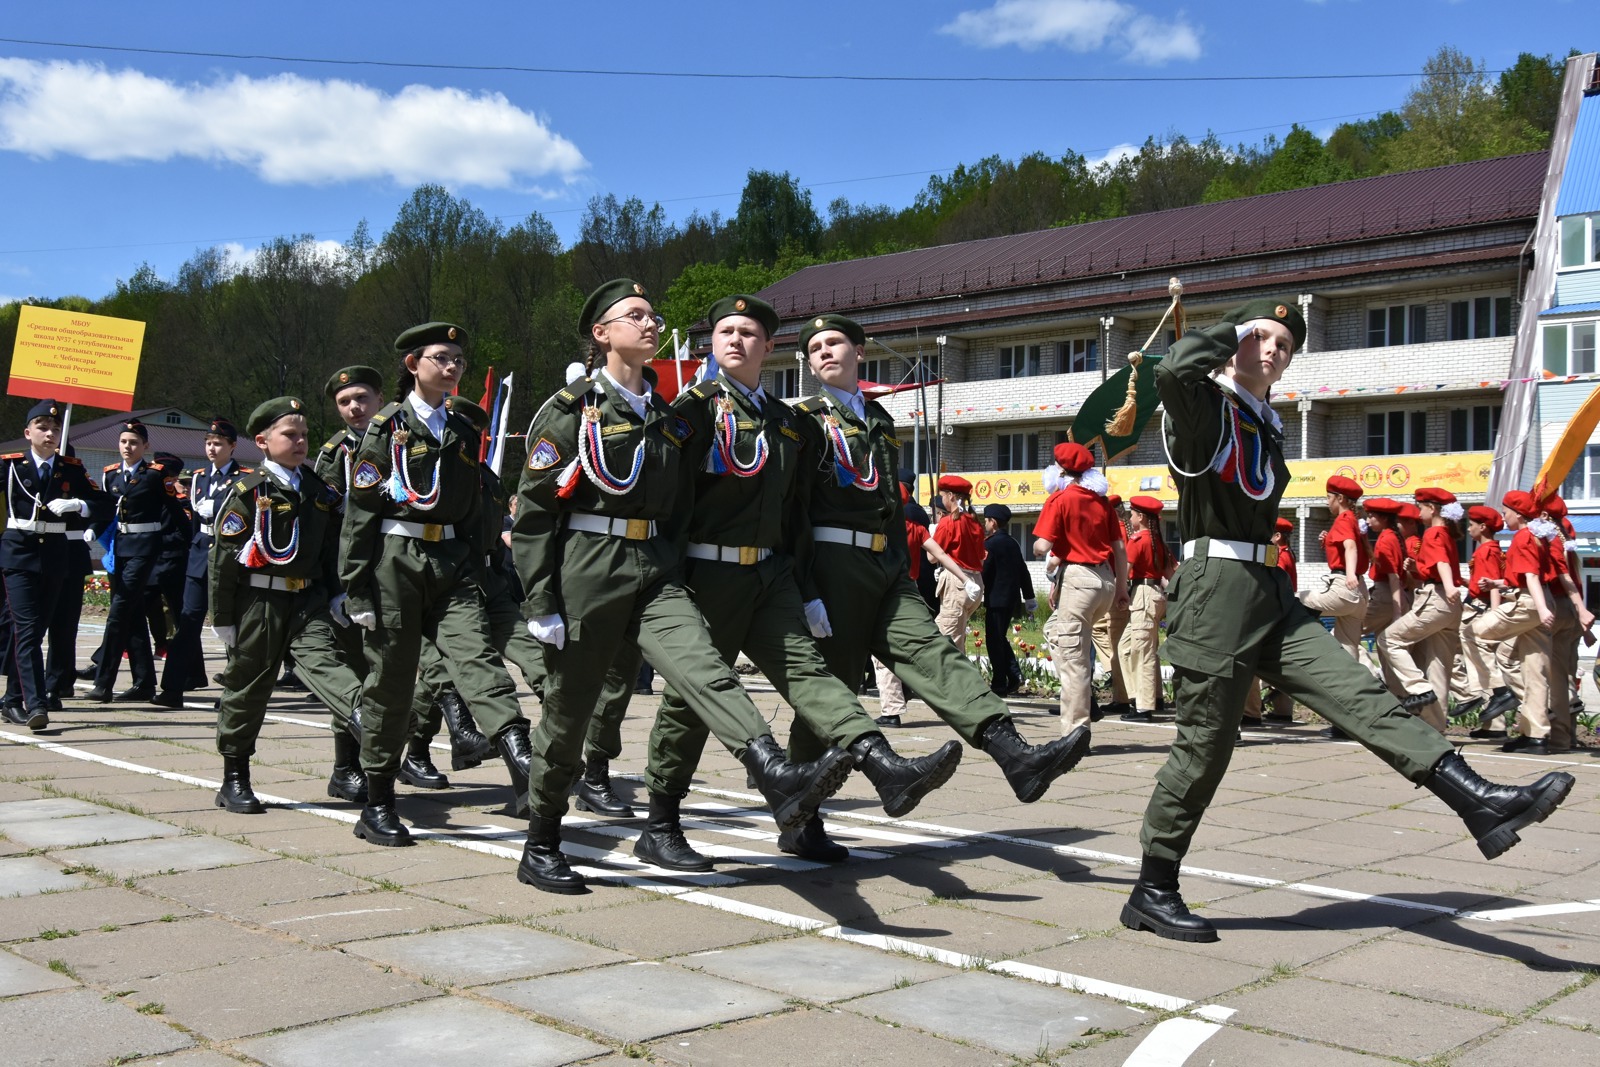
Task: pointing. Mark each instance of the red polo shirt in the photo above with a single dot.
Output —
(1388, 557)
(1286, 561)
(1080, 526)
(1438, 547)
(1345, 528)
(916, 536)
(1487, 562)
(1527, 555)
(1147, 557)
(962, 537)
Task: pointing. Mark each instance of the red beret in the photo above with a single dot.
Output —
(1430, 494)
(905, 493)
(1344, 487)
(1521, 503)
(1073, 457)
(1382, 505)
(1114, 500)
(1409, 511)
(1555, 506)
(954, 483)
(1285, 526)
(1485, 514)
(1567, 529)
(1146, 503)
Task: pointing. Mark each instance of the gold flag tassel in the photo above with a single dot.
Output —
(1121, 423)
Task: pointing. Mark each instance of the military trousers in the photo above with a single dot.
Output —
(1107, 633)
(875, 610)
(508, 635)
(755, 610)
(126, 629)
(1005, 673)
(1523, 656)
(31, 601)
(955, 607)
(271, 622)
(185, 667)
(1139, 649)
(61, 663)
(1329, 595)
(1421, 645)
(1083, 594)
(1229, 621)
(425, 591)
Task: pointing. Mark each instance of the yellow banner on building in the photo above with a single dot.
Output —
(1463, 473)
(76, 357)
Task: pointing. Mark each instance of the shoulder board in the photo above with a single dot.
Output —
(705, 390)
(568, 396)
(247, 481)
(111, 467)
(335, 441)
(810, 406)
(12, 455)
(387, 412)
(246, 470)
(71, 461)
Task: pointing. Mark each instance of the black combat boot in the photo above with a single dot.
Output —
(663, 843)
(236, 794)
(468, 746)
(417, 769)
(794, 791)
(595, 793)
(543, 866)
(1494, 813)
(901, 782)
(811, 842)
(347, 782)
(1501, 703)
(1157, 906)
(1031, 768)
(515, 752)
(380, 823)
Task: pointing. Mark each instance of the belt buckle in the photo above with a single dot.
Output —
(749, 555)
(1270, 556)
(637, 530)
(879, 542)
(294, 585)
(432, 531)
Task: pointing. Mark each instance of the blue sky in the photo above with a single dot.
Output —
(113, 158)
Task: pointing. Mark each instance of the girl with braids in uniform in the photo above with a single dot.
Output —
(960, 534)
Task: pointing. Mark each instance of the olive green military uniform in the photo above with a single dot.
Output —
(1231, 619)
(600, 559)
(415, 562)
(333, 464)
(741, 575)
(865, 585)
(279, 604)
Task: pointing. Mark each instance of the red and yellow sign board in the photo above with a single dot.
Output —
(1463, 473)
(76, 357)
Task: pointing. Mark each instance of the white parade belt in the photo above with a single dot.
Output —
(1243, 551)
(35, 526)
(629, 529)
(138, 527)
(285, 585)
(744, 555)
(839, 536)
(422, 531)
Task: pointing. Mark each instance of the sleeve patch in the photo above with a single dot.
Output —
(677, 430)
(544, 455)
(232, 524)
(366, 475)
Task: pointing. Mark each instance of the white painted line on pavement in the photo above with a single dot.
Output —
(1171, 1043)
(1533, 911)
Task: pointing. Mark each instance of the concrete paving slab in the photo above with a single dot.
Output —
(195, 1058)
(325, 838)
(18, 976)
(478, 955)
(816, 969)
(1534, 1042)
(19, 811)
(638, 1001)
(189, 853)
(1147, 966)
(503, 895)
(1233, 1045)
(83, 909)
(100, 827)
(241, 891)
(413, 866)
(1448, 976)
(1010, 1015)
(1320, 913)
(1262, 942)
(22, 876)
(307, 986)
(652, 929)
(1389, 1025)
(359, 916)
(1548, 949)
(819, 1038)
(1578, 1008)
(982, 934)
(151, 949)
(80, 1028)
(440, 1033)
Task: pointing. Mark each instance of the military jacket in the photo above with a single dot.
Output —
(147, 495)
(638, 460)
(24, 549)
(401, 471)
(264, 527)
(204, 485)
(336, 459)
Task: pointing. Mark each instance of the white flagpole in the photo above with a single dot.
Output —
(497, 459)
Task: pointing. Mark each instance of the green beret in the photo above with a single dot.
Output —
(270, 411)
(601, 299)
(356, 375)
(1267, 307)
(822, 323)
(430, 333)
(748, 306)
(460, 405)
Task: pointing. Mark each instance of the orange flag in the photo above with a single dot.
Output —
(1574, 439)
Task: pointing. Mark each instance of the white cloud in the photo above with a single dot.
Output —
(1078, 26)
(287, 129)
(236, 257)
(1114, 156)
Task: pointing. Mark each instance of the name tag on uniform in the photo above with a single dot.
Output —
(790, 434)
(612, 431)
(419, 449)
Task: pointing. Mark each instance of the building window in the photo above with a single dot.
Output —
(1017, 452)
(1569, 348)
(1583, 480)
(786, 383)
(1397, 433)
(1020, 361)
(1402, 324)
(1080, 354)
(1473, 429)
(1580, 240)
(1482, 316)
(173, 418)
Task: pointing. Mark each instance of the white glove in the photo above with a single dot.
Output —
(549, 630)
(66, 504)
(228, 635)
(338, 609)
(817, 619)
(1030, 605)
(204, 507)
(1052, 563)
(367, 620)
(974, 591)
(1245, 329)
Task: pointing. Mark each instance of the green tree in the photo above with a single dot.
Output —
(1530, 91)
(1360, 145)
(1452, 117)
(1302, 160)
(692, 292)
(774, 214)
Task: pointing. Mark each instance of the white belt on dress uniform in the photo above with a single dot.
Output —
(35, 526)
(207, 529)
(138, 527)
(744, 555)
(422, 531)
(1243, 551)
(285, 585)
(628, 529)
(839, 536)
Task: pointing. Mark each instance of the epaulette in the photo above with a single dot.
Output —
(337, 439)
(247, 481)
(809, 406)
(110, 467)
(705, 390)
(387, 412)
(11, 455)
(568, 396)
(71, 461)
(246, 470)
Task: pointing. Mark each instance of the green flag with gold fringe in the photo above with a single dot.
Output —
(1098, 419)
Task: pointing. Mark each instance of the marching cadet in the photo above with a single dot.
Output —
(738, 518)
(1107, 637)
(1233, 615)
(41, 489)
(186, 666)
(409, 560)
(1081, 539)
(1421, 643)
(273, 574)
(961, 536)
(1522, 622)
(1282, 705)
(1149, 567)
(1387, 599)
(1341, 593)
(605, 472)
(859, 600)
(1007, 591)
(146, 511)
(1490, 696)
(61, 664)
(1572, 618)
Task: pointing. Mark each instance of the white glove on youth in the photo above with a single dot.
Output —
(1245, 329)
(205, 507)
(817, 619)
(228, 635)
(549, 629)
(337, 607)
(66, 504)
(974, 591)
(367, 620)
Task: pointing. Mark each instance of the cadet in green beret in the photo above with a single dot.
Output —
(1233, 615)
(602, 578)
(274, 568)
(410, 558)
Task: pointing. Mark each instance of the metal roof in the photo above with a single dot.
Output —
(187, 443)
(1440, 198)
(1580, 182)
(1571, 309)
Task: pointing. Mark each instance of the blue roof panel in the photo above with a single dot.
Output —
(1570, 309)
(1580, 182)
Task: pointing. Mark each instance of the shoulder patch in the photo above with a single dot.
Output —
(387, 412)
(706, 390)
(248, 480)
(543, 455)
(233, 524)
(677, 430)
(366, 475)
